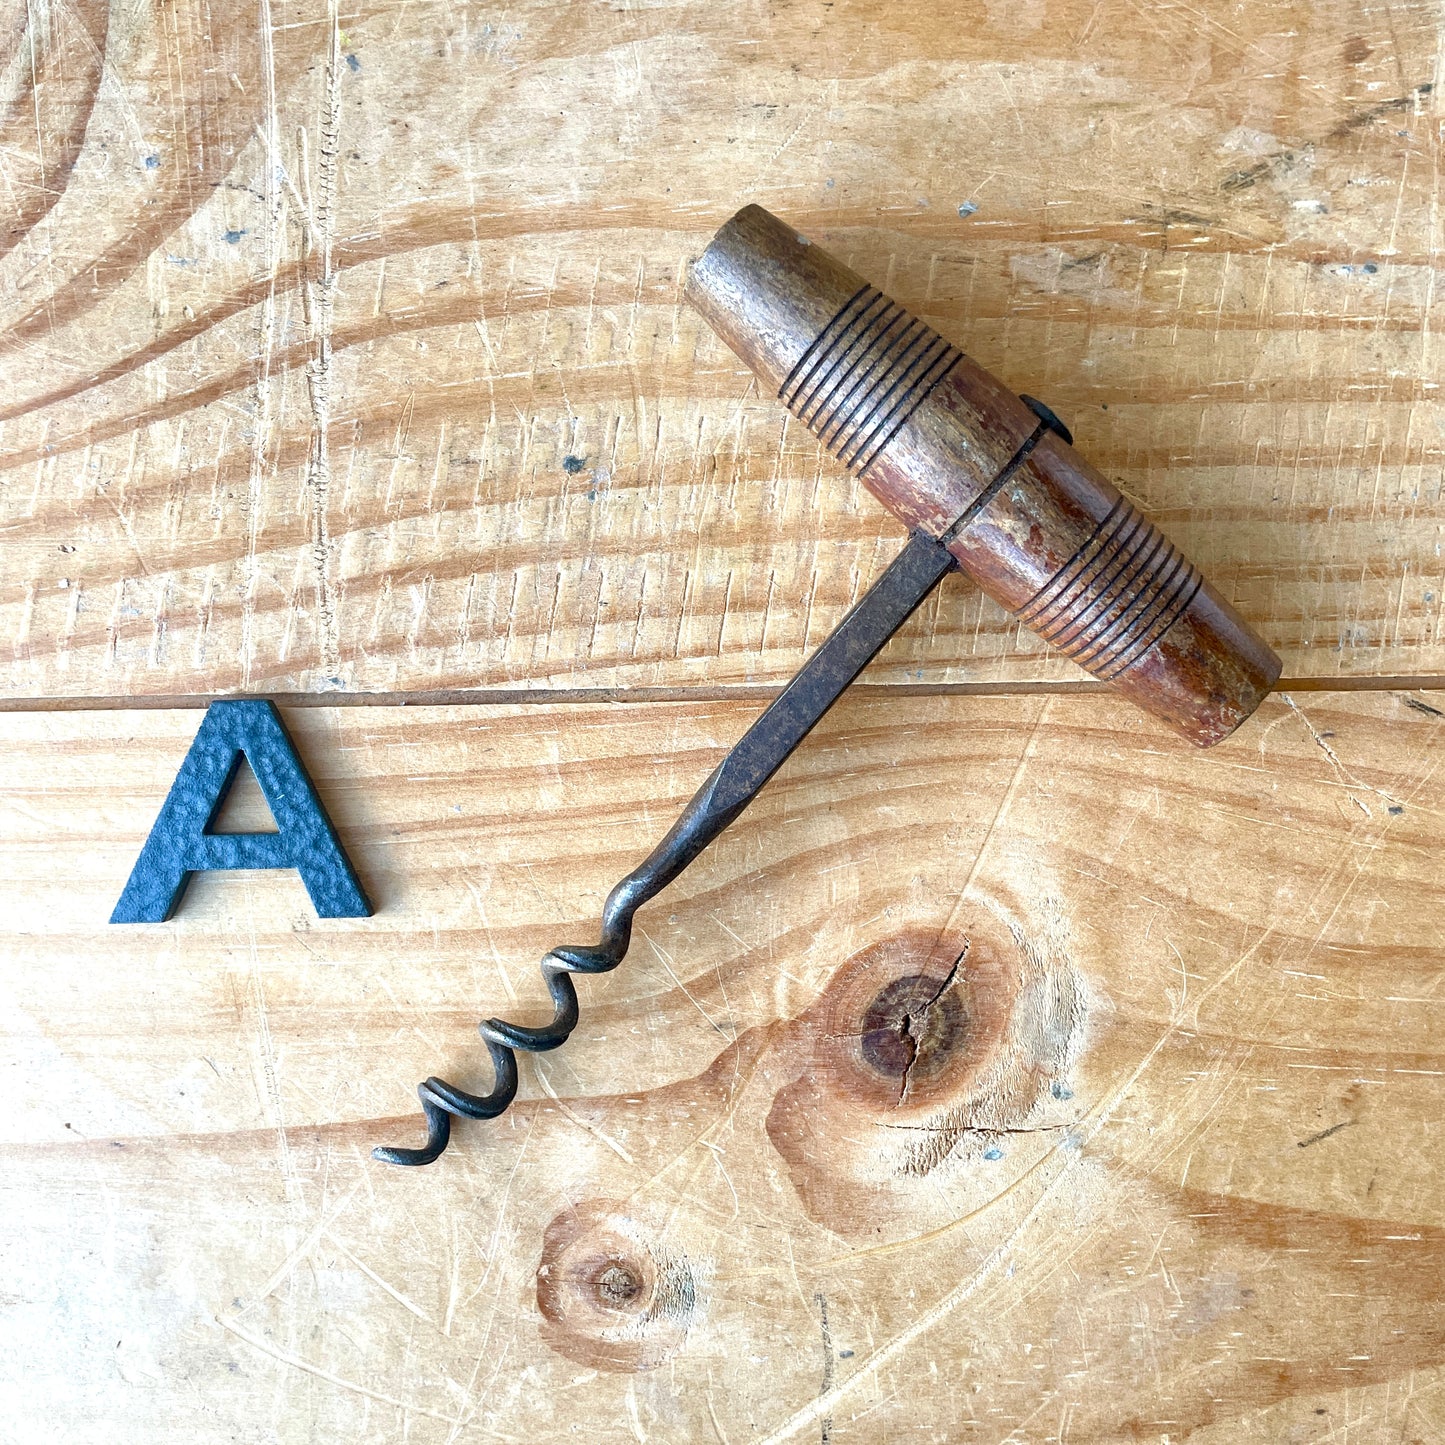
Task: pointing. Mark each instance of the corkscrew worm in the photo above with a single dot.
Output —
(734, 783)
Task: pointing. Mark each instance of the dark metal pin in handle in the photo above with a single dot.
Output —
(734, 783)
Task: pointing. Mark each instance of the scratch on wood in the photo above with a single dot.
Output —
(1345, 776)
(578, 1120)
(297, 1363)
(821, 1300)
(320, 293)
(288, 1266)
(1326, 1133)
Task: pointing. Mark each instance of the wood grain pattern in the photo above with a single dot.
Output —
(303, 311)
(1010, 1072)
(1157, 1154)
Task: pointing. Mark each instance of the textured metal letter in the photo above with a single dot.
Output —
(182, 843)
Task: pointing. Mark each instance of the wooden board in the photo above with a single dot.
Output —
(1009, 1072)
(343, 347)
(1160, 1158)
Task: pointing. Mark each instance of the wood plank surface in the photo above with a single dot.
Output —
(343, 347)
(1156, 1156)
(1009, 1072)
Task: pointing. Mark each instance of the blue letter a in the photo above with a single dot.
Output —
(181, 842)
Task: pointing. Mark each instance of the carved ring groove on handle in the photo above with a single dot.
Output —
(869, 369)
(1122, 591)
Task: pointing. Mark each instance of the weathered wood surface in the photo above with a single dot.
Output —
(343, 351)
(1161, 1160)
(303, 312)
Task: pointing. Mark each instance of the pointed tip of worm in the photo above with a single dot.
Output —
(408, 1158)
(438, 1136)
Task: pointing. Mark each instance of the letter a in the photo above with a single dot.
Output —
(182, 843)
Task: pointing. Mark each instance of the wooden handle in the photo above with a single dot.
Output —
(951, 451)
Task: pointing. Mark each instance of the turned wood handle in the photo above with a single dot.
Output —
(951, 451)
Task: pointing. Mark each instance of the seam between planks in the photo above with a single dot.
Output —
(539, 696)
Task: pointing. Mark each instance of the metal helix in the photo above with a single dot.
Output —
(441, 1101)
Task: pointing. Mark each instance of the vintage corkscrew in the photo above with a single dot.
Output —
(986, 482)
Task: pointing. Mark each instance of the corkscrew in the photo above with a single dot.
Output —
(987, 482)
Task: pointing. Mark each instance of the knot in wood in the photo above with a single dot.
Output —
(914, 1028)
